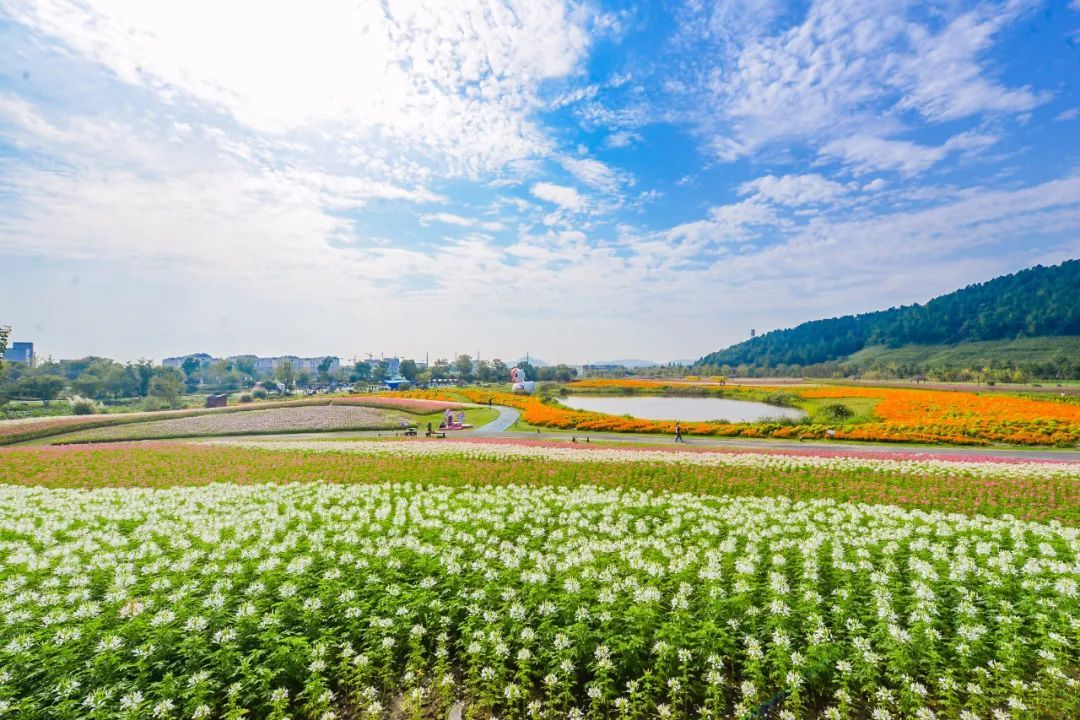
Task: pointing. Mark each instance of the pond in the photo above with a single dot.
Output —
(687, 409)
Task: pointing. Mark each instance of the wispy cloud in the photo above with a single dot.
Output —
(469, 222)
(565, 197)
(849, 70)
(793, 189)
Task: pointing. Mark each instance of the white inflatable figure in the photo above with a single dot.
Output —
(521, 385)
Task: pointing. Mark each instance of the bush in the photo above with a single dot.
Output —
(83, 406)
(835, 412)
(258, 394)
(245, 398)
(784, 399)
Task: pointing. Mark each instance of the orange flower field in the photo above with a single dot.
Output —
(961, 416)
(902, 415)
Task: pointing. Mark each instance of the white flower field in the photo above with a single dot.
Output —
(406, 600)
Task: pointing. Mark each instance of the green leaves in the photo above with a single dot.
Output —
(322, 601)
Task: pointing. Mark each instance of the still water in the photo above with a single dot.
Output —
(689, 409)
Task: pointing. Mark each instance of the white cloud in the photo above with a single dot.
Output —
(846, 70)
(942, 78)
(726, 224)
(621, 139)
(793, 189)
(592, 172)
(1070, 114)
(867, 153)
(874, 185)
(561, 195)
(454, 80)
(452, 219)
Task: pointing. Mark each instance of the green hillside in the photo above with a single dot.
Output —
(972, 354)
(957, 329)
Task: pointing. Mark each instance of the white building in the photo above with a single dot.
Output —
(311, 364)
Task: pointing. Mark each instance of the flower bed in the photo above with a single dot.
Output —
(275, 420)
(323, 601)
(15, 431)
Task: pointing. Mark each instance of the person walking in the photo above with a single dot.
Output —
(678, 433)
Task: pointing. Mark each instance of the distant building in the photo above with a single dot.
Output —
(393, 365)
(265, 365)
(20, 352)
(311, 364)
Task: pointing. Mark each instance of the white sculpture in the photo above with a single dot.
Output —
(521, 385)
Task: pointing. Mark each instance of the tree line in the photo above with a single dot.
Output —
(92, 379)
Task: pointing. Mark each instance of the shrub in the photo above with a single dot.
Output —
(784, 399)
(835, 412)
(245, 398)
(83, 406)
(258, 394)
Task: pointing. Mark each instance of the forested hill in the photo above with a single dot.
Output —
(1039, 301)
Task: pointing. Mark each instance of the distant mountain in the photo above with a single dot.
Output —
(1037, 302)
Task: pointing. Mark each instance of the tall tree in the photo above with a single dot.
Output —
(45, 388)
(324, 369)
(166, 386)
(5, 333)
(463, 365)
(286, 374)
(144, 373)
(408, 370)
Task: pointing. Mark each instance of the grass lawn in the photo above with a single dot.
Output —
(475, 416)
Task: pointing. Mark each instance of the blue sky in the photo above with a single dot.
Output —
(580, 181)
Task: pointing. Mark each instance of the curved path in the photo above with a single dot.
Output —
(507, 417)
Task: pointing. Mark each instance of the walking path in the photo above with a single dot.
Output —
(507, 417)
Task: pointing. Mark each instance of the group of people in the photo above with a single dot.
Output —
(449, 421)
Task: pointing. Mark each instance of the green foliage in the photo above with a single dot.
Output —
(1040, 301)
(259, 394)
(529, 370)
(285, 374)
(463, 365)
(834, 413)
(324, 369)
(166, 387)
(409, 370)
(239, 601)
(556, 373)
(45, 388)
(83, 406)
(781, 398)
(5, 333)
(440, 369)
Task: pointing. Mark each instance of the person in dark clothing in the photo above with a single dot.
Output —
(678, 433)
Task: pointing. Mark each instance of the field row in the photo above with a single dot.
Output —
(15, 431)
(327, 600)
(1035, 491)
(322, 418)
